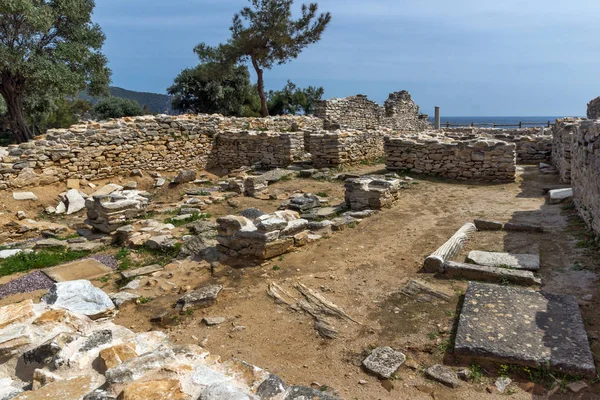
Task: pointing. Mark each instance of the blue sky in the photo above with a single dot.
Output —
(471, 57)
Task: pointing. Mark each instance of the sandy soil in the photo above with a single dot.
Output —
(361, 270)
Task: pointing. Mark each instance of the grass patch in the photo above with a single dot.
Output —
(192, 218)
(122, 257)
(143, 300)
(23, 262)
(322, 194)
(276, 267)
(477, 373)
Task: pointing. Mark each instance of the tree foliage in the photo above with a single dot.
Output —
(116, 107)
(209, 89)
(294, 100)
(49, 49)
(266, 34)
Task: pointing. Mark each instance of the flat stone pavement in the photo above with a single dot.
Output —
(87, 268)
(516, 325)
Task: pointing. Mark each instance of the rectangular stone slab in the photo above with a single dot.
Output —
(147, 270)
(489, 274)
(507, 324)
(530, 262)
(87, 268)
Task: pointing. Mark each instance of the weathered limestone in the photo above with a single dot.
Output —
(384, 362)
(435, 262)
(358, 112)
(533, 145)
(267, 236)
(443, 374)
(107, 213)
(562, 145)
(576, 155)
(489, 274)
(372, 192)
(77, 358)
(557, 196)
(98, 150)
(80, 297)
(514, 325)
(24, 196)
(529, 262)
(593, 109)
(343, 147)
(433, 154)
(265, 149)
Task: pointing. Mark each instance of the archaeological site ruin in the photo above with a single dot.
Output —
(355, 254)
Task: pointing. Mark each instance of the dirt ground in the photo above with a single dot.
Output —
(362, 269)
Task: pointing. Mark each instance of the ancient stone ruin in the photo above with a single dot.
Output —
(357, 112)
(266, 236)
(434, 154)
(372, 192)
(576, 155)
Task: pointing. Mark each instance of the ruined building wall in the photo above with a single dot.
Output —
(593, 109)
(343, 147)
(433, 154)
(585, 172)
(533, 145)
(98, 150)
(562, 145)
(269, 149)
(358, 112)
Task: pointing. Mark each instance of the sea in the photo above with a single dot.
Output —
(501, 122)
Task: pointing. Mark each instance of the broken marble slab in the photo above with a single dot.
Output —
(508, 324)
(557, 196)
(484, 273)
(529, 262)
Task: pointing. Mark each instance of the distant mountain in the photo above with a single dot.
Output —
(157, 103)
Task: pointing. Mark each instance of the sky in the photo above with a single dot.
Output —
(470, 57)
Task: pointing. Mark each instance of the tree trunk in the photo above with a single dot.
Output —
(264, 110)
(12, 92)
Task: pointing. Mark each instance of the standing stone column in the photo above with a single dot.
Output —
(437, 117)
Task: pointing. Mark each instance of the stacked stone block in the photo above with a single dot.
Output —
(585, 172)
(434, 154)
(267, 236)
(267, 149)
(534, 145)
(372, 192)
(358, 112)
(107, 213)
(562, 145)
(343, 147)
(99, 150)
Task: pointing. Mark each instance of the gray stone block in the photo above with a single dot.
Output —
(507, 324)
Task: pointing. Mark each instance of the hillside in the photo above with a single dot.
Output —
(157, 103)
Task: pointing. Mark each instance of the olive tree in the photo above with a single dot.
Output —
(48, 49)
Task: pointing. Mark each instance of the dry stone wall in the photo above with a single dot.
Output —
(358, 112)
(585, 172)
(577, 157)
(343, 147)
(562, 145)
(434, 154)
(268, 149)
(97, 150)
(534, 145)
